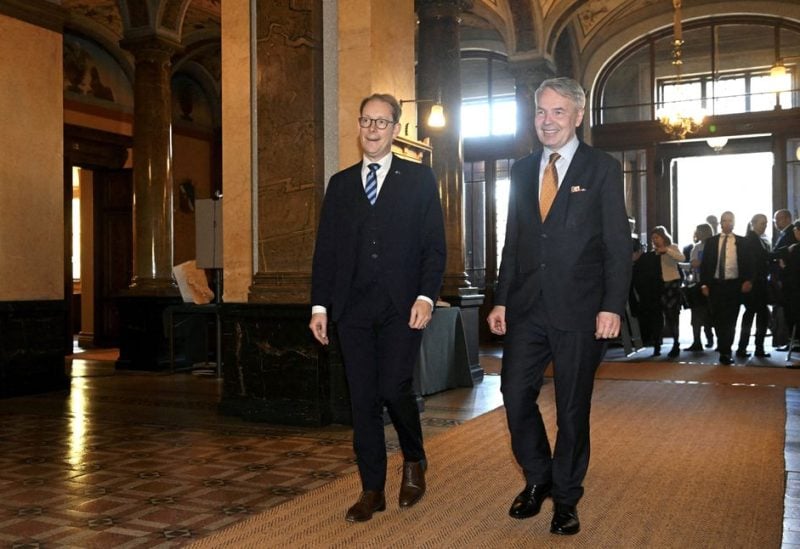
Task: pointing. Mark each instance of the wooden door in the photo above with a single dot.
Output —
(113, 249)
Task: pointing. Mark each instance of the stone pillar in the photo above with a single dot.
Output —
(143, 345)
(290, 162)
(528, 75)
(439, 77)
(152, 166)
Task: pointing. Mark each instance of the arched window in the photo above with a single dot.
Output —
(726, 69)
(488, 104)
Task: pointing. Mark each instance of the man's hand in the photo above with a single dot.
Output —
(497, 320)
(607, 325)
(421, 313)
(319, 327)
(747, 286)
(704, 290)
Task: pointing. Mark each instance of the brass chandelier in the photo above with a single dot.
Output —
(678, 118)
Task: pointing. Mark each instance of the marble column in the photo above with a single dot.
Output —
(152, 166)
(528, 75)
(439, 78)
(290, 163)
(142, 308)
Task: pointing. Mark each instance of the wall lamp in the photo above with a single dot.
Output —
(436, 117)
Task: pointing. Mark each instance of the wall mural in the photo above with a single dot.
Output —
(92, 75)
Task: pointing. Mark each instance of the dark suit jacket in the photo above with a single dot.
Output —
(579, 259)
(708, 266)
(411, 231)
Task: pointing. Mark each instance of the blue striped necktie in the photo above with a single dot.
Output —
(371, 187)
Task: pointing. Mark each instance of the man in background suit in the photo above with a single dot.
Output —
(782, 238)
(726, 273)
(564, 280)
(378, 266)
(756, 301)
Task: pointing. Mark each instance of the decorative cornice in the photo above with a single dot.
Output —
(442, 8)
(36, 12)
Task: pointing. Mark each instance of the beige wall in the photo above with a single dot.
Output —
(376, 55)
(31, 166)
(237, 159)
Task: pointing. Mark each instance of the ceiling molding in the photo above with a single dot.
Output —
(36, 12)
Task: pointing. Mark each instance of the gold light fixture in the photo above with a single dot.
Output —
(436, 118)
(779, 74)
(717, 143)
(678, 118)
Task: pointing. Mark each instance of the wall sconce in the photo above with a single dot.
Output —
(436, 117)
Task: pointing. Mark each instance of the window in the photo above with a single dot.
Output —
(746, 91)
(725, 70)
(489, 105)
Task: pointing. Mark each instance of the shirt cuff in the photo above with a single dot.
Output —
(427, 300)
(318, 309)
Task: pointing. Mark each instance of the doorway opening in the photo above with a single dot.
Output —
(710, 185)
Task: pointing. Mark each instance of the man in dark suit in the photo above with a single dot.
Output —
(756, 301)
(378, 266)
(726, 273)
(782, 238)
(564, 280)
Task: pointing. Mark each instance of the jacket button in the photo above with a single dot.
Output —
(543, 265)
(374, 256)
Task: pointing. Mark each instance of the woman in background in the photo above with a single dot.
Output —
(698, 303)
(669, 256)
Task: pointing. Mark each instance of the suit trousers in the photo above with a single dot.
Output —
(380, 352)
(755, 306)
(531, 343)
(726, 298)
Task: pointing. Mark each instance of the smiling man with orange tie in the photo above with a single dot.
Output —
(563, 284)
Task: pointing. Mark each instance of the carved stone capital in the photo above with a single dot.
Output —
(527, 69)
(151, 48)
(438, 9)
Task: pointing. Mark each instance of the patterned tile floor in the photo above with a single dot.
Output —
(144, 460)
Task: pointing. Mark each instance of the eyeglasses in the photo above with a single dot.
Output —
(380, 123)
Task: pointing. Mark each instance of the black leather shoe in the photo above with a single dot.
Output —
(413, 486)
(675, 351)
(369, 502)
(529, 501)
(656, 351)
(726, 360)
(565, 520)
(760, 353)
(741, 353)
(694, 347)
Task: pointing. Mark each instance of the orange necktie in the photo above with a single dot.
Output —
(549, 186)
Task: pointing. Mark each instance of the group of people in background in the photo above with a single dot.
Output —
(714, 277)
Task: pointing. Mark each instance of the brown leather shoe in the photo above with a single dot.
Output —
(413, 486)
(369, 502)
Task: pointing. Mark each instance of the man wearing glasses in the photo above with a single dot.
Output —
(377, 270)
